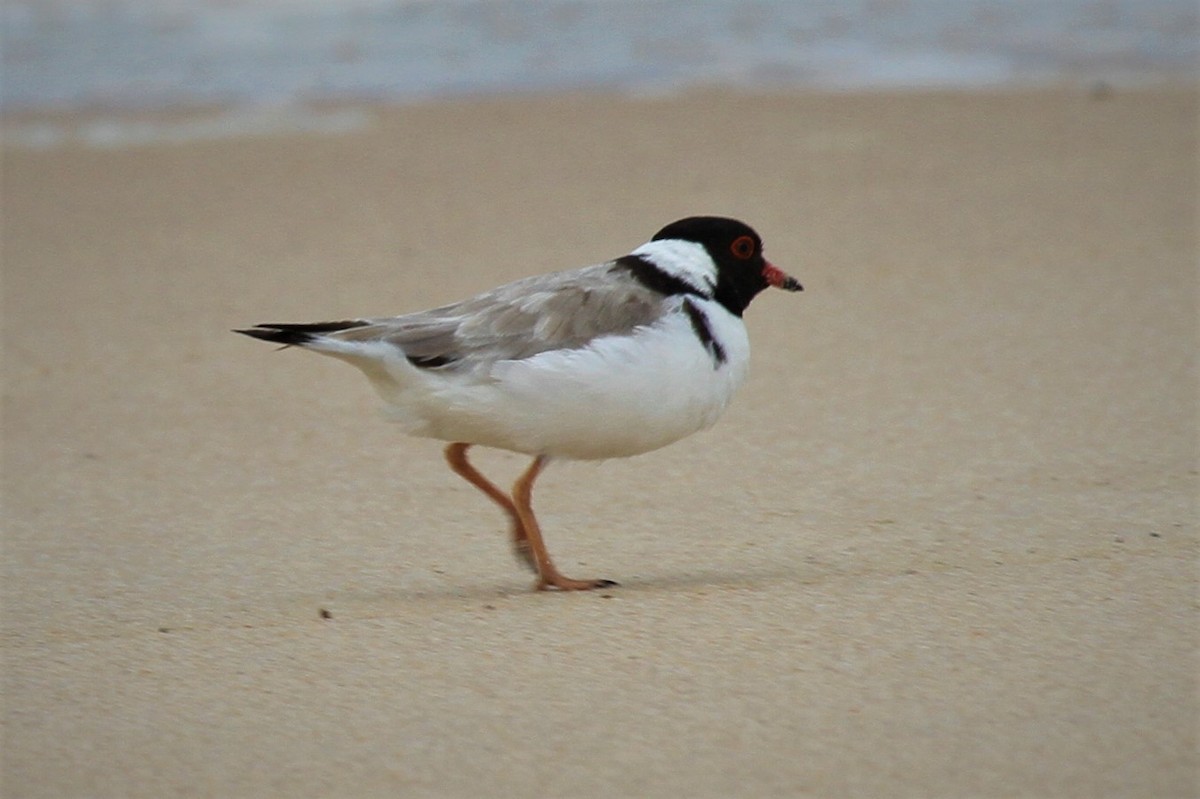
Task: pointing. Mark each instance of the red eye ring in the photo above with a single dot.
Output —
(742, 248)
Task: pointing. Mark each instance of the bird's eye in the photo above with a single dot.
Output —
(742, 248)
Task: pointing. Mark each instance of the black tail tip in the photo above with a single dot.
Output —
(276, 335)
(287, 333)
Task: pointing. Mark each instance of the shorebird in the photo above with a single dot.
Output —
(608, 361)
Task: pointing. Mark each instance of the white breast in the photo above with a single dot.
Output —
(619, 396)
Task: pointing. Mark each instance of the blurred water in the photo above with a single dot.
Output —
(122, 54)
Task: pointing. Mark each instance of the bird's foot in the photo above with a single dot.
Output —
(559, 583)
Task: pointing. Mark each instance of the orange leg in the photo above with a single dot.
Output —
(548, 575)
(456, 456)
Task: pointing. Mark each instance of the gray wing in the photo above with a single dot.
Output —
(562, 310)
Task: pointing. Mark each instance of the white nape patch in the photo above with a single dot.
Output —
(686, 260)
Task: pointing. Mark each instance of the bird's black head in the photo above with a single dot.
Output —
(737, 251)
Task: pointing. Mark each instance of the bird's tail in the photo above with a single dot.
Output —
(357, 342)
(289, 334)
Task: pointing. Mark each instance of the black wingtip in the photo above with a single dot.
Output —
(277, 335)
(287, 334)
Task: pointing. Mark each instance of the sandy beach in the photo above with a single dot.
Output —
(943, 544)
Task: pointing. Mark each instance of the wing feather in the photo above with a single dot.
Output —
(561, 310)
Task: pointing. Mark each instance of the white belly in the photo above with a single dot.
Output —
(620, 396)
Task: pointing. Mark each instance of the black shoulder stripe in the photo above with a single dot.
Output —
(704, 333)
(653, 278)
